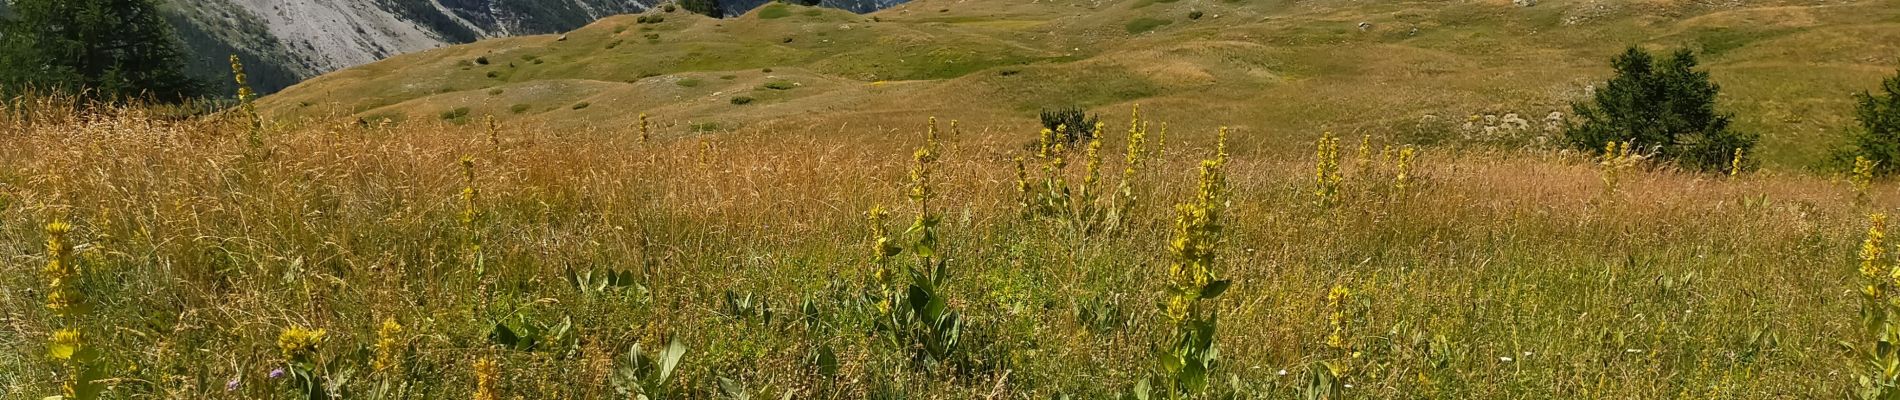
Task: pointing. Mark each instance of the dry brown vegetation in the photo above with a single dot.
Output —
(1499, 274)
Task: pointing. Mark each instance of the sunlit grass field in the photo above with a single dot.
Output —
(524, 262)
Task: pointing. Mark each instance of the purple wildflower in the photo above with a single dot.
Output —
(231, 385)
(277, 373)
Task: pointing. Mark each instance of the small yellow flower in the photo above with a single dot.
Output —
(65, 344)
(298, 343)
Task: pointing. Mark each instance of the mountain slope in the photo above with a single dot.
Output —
(288, 41)
(1278, 71)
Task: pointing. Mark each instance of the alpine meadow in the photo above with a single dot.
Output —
(961, 199)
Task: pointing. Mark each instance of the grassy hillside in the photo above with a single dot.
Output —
(1277, 70)
(430, 255)
(1486, 276)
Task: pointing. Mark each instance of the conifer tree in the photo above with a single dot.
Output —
(104, 49)
(1668, 106)
(1879, 137)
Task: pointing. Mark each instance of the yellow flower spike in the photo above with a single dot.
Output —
(645, 132)
(1403, 177)
(1873, 249)
(487, 373)
(1863, 177)
(1326, 168)
(1363, 162)
(388, 344)
(60, 271)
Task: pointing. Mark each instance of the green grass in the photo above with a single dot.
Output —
(689, 82)
(1473, 283)
(1714, 43)
(1143, 25)
(1144, 3)
(458, 116)
(774, 11)
(1254, 63)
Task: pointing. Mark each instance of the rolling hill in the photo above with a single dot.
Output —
(1278, 71)
(288, 41)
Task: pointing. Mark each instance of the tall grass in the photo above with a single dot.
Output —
(1497, 277)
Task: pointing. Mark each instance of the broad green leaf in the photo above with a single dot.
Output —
(671, 358)
(503, 336)
(827, 361)
(1215, 288)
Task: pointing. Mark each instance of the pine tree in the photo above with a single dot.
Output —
(105, 49)
(1879, 137)
(710, 8)
(1668, 106)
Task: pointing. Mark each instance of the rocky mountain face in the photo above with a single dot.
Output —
(286, 41)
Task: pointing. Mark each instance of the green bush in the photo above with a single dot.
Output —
(1667, 106)
(741, 100)
(581, 105)
(1879, 136)
(689, 82)
(780, 85)
(458, 115)
(1070, 124)
(519, 108)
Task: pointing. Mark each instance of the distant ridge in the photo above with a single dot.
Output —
(288, 41)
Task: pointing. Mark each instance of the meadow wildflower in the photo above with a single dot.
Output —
(388, 344)
(298, 344)
(61, 295)
(1336, 302)
(1862, 178)
(1362, 162)
(1191, 279)
(487, 373)
(1402, 177)
(494, 130)
(645, 132)
(246, 98)
(1616, 157)
(1326, 169)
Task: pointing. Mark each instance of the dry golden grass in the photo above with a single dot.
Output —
(1499, 274)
